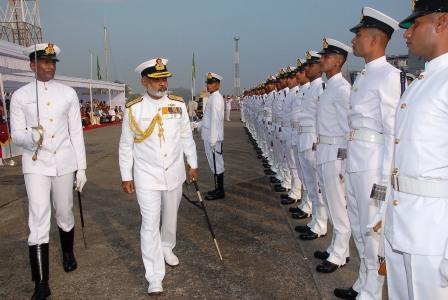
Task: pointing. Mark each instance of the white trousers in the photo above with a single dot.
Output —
(228, 114)
(333, 194)
(361, 211)
(159, 223)
(414, 277)
(305, 205)
(318, 223)
(296, 184)
(40, 189)
(219, 160)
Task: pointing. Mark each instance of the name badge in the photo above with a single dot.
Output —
(171, 112)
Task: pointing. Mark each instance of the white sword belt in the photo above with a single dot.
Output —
(366, 135)
(420, 187)
(331, 140)
(306, 129)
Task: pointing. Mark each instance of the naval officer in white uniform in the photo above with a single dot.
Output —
(332, 129)
(49, 174)
(212, 133)
(416, 225)
(373, 101)
(156, 134)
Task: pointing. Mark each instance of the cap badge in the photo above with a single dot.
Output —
(49, 50)
(299, 63)
(325, 44)
(413, 4)
(209, 75)
(159, 65)
(308, 55)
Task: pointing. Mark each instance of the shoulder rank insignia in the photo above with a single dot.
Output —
(131, 102)
(176, 98)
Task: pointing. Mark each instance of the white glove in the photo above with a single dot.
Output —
(443, 270)
(36, 134)
(81, 180)
(194, 125)
(213, 146)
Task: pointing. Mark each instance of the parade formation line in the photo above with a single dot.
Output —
(263, 258)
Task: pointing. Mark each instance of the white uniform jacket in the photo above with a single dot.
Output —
(212, 124)
(63, 149)
(419, 224)
(332, 117)
(373, 103)
(290, 101)
(295, 112)
(307, 114)
(157, 164)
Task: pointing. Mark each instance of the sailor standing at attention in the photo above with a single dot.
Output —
(416, 226)
(156, 134)
(47, 127)
(373, 101)
(212, 133)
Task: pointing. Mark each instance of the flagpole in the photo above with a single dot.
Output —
(90, 87)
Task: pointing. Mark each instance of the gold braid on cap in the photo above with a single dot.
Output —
(140, 136)
(49, 50)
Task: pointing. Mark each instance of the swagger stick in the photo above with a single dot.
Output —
(81, 214)
(198, 192)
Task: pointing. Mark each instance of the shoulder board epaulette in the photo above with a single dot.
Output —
(176, 98)
(131, 102)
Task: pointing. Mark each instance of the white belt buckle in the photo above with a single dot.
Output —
(351, 135)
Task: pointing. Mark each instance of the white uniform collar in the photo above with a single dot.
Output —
(380, 61)
(154, 101)
(437, 63)
(334, 78)
(294, 89)
(304, 86)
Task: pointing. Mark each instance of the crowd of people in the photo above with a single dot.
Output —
(370, 157)
(100, 114)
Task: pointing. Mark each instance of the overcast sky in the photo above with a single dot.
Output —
(273, 34)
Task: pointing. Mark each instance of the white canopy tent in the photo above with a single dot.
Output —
(15, 72)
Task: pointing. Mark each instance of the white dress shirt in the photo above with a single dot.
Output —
(154, 163)
(373, 103)
(307, 114)
(212, 124)
(417, 224)
(332, 116)
(63, 149)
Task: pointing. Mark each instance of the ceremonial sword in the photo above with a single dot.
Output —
(39, 127)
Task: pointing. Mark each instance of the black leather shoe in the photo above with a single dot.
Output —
(310, 235)
(216, 196)
(302, 228)
(288, 201)
(300, 215)
(68, 257)
(259, 152)
(266, 166)
(259, 156)
(275, 180)
(269, 172)
(327, 267)
(212, 192)
(284, 196)
(324, 255)
(345, 293)
(280, 189)
(294, 210)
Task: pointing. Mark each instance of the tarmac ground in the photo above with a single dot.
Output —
(263, 257)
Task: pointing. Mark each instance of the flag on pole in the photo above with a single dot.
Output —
(193, 77)
(193, 69)
(98, 68)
